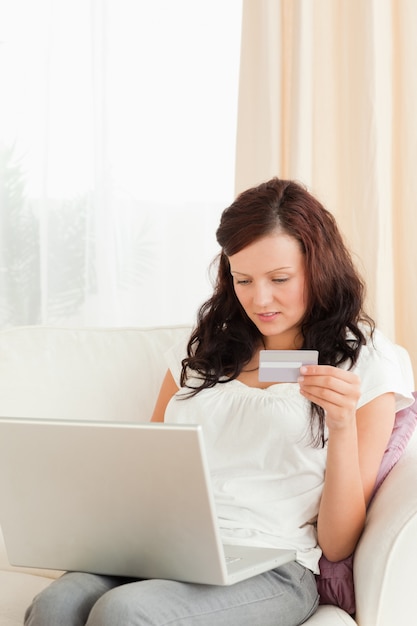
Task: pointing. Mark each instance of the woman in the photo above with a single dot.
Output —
(293, 465)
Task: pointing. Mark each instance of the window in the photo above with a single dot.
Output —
(117, 141)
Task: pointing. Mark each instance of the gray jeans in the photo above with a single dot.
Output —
(286, 596)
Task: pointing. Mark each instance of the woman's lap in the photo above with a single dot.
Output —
(283, 597)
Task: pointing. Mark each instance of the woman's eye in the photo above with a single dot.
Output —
(242, 282)
(279, 280)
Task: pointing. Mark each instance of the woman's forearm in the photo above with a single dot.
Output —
(343, 508)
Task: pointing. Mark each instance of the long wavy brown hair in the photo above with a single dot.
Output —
(225, 339)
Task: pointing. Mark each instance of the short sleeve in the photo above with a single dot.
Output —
(174, 357)
(384, 367)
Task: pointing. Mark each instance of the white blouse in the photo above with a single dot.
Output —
(267, 476)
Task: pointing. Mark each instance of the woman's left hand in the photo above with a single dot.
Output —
(336, 390)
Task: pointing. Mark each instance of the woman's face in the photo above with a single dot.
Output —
(269, 281)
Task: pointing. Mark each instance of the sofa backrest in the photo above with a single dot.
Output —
(110, 374)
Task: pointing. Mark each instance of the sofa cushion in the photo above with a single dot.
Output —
(404, 426)
(335, 581)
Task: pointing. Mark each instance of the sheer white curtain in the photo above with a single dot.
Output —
(328, 95)
(117, 146)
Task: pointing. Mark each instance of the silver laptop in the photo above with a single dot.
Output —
(122, 499)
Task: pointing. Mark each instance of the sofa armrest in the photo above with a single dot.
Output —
(384, 565)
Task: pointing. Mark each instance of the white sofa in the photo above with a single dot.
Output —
(114, 374)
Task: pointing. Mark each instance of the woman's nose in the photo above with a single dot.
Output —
(262, 295)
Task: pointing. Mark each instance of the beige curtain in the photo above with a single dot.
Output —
(328, 96)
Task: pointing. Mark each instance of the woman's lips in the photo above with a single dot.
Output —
(267, 317)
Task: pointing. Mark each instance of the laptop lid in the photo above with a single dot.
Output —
(122, 499)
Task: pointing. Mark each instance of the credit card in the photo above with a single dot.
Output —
(283, 366)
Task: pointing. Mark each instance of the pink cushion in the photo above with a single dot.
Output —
(335, 581)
